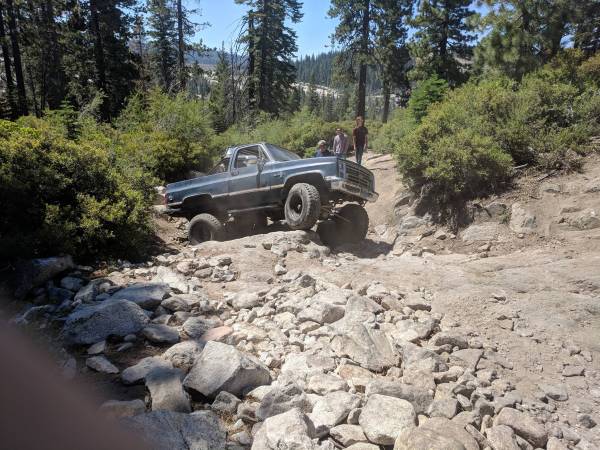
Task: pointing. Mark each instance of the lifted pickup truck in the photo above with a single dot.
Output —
(259, 181)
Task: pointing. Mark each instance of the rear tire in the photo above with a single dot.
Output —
(328, 233)
(352, 222)
(203, 228)
(302, 206)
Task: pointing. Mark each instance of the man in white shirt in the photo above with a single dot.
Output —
(340, 143)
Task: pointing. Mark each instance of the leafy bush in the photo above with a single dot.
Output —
(299, 133)
(465, 145)
(169, 136)
(395, 130)
(65, 195)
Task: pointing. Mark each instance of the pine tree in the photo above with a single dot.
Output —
(391, 52)
(586, 18)
(11, 108)
(163, 40)
(313, 100)
(524, 34)
(271, 47)
(354, 34)
(220, 102)
(442, 42)
(11, 14)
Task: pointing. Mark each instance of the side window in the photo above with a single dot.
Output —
(221, 167)
(247, 157)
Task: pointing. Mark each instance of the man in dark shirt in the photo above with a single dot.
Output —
(360, 138)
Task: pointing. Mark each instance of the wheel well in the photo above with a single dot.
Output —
(200, 204)
(310, 178)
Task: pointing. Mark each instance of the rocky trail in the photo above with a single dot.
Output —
(417, 338)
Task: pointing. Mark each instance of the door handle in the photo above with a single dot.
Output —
(277, 175)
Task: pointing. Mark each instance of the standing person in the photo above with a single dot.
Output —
(322, 149)
(360, 138)
(340, 143)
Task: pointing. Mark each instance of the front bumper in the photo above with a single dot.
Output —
(338, 184)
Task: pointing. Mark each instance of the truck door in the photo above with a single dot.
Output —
(245, 189)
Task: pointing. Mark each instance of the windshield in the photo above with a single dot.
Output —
(281, 154)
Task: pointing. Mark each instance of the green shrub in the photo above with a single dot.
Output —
(169, 136)
(395, 130)
(63, 195)
(428, 92)
(465, 145)
(299, 133)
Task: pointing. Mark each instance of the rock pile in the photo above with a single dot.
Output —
(301, 364)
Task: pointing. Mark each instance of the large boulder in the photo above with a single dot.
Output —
(415, 357)
(502, 437)
(331, 410)
(321, 312)
(585, 220)
(521, 220)
(138, 372)
(523, 425)
(184, 354)
(451, 429)
(90, 324)
(222, 367)
(291, 430)
(280, 399)
(484, 232)
(358, 340)
(161, 334)
(383, 418)
(36, 272)
(166, 391)
(175, 280)
(167, 430)
(419, 398)
(196, 327)
(426, 439)
(90, 291)
(147, 295)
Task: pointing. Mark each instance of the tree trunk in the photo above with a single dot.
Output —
(262, 71)
(180, 47)
(16, 53)
(10, 85)
(54, 72)
(444, 45)
(362, 71)
(386, 101)
(233, 88)
(251, 63)
(99, 57)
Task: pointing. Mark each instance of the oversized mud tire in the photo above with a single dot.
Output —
(203, 228)
(352, 223)
(302, 206)
(328, 233)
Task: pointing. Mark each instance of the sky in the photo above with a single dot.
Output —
(224, 18)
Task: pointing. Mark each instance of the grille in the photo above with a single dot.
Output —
(360, 176)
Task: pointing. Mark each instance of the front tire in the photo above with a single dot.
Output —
(352, 222)
(302, 206)
(203, 228)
